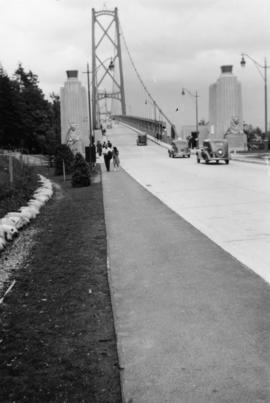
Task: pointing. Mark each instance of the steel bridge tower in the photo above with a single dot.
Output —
(117, 92)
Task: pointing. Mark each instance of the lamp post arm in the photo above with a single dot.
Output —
(258, 65)
(196, 105)
(107, 71)
(190, 93)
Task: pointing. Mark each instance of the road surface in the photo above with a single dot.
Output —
(228, 203)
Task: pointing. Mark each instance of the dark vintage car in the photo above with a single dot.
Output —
(214, 150)
(142, 140)
(179, 148)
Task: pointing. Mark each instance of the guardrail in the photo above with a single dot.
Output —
(154, 128)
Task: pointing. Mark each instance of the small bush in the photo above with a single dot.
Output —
(63, 153)
(81, 172)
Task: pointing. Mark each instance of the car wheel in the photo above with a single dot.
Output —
(198, 160)
(217, 161)
(188, 155)
(227, 162)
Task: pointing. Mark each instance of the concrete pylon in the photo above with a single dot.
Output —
(225, 109)
(74, 114)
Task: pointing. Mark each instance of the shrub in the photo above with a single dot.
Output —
(81, 172)
(63, 153)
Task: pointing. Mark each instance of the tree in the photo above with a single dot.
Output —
(28, 120)
(254, 136)
(63, 154)
(54, 135)
(34, 108)
(81, 172)
(10, 117)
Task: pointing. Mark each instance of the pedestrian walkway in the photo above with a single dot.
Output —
(192, 322)
(253, 158)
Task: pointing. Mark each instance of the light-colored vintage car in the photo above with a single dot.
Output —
(213, 150)
(179, 149)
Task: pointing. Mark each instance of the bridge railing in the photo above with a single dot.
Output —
(156, 128)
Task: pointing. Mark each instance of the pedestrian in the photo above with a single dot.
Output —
(110, 152)
(99, 148)
(107, 154)
(93, 155)
(116, 160)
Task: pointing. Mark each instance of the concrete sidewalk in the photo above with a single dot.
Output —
(252, 158)
(192, 323)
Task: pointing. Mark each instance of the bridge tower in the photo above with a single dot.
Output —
(104, 21)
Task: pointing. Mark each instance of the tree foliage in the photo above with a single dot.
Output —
(255, 137)
(81, 172)
(63, 154)
(29, 122)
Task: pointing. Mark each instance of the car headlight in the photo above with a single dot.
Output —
(220, 152)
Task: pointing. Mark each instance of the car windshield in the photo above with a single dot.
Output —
(180, 143)
(218, 143)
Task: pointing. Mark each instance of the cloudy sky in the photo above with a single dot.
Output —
(174, 44)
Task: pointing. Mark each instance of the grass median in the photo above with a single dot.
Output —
(57, 337)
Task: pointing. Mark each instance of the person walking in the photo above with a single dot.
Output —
(107, 154)
(99, 148)
(116, 160)
(110, 153)
(93, 155)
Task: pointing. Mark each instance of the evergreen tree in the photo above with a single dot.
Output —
(63, 154)
(81, 172)
(28, 121)
(10, 116)
(35, 111)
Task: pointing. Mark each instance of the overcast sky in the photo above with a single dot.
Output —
(174, 44)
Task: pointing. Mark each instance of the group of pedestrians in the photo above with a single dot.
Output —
(109, 153)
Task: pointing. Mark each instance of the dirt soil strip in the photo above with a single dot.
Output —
(57, 337)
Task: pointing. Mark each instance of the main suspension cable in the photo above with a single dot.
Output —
(141, 81)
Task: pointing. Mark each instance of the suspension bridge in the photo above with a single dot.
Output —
(188, 261)
(108, 80)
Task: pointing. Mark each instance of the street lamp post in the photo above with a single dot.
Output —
(184, 90)
(264, 77)
(91, 136)
(90, 117)
(96, 83)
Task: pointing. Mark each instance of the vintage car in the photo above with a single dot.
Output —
(142, 139)
(179, 148)
(213, 150)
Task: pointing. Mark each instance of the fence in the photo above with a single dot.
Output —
(7, 171)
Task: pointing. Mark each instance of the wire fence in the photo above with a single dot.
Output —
(9, 159)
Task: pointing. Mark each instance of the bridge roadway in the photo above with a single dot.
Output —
(192, 321)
